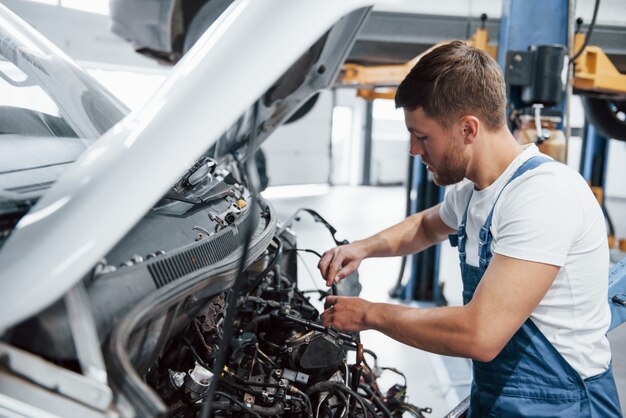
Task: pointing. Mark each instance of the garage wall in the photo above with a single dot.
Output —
(348, 138)
(616, 170)
(390, 144)
(298, 153)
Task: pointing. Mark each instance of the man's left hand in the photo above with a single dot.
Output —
(346, 313)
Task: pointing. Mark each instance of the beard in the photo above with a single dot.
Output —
(453, 166)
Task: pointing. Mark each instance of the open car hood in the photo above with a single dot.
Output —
(211, 91)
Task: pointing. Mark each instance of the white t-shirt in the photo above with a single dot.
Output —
(548, 215)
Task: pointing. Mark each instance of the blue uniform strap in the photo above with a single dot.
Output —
(459, 239)
(485, 237)
(617, 294)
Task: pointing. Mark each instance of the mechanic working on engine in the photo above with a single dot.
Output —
(532, 244)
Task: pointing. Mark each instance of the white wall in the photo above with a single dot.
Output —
(348, 138)
(390, 144)
(611, 12)
(298, 153)
(616, 170)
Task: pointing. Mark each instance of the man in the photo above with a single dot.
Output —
(532, 245)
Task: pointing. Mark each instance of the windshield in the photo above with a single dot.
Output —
(25, 108)
(50, 112)
(43, 93)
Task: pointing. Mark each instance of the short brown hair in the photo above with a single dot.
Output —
(452, 80)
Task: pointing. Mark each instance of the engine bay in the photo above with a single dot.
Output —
(198, 309)
(280, 362)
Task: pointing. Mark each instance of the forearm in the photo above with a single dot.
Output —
(448, 331)
(412, 235)
(477, 330)
(407, 237)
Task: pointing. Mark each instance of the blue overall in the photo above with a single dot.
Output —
(529, 378)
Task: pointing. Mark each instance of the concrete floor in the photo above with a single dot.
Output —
(434, 381)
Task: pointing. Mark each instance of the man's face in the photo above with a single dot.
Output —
(441, 150)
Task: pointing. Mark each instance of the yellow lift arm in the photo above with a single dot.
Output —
(594, 70)
(380, 81)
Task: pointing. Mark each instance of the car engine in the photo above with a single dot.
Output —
(280, 362)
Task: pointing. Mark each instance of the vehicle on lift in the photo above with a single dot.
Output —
(142, 273)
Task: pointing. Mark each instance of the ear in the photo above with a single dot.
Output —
(469, 126)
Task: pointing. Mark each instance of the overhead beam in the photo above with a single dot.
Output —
(394, 38)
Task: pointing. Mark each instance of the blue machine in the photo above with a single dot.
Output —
(423, 281)
(594, 156)
(531, 22)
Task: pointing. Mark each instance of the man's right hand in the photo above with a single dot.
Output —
(338, 263)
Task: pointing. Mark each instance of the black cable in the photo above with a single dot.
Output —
(304, 396)
(368, 351)
(251, 383)
(333, 287)
(393, 292)
(235, 401)
(377, 401)
(371, 353)
(270, 266)
(309, 405)
(589, 32)
(196, 355)
(303, 250)
(200, 336)
(343, 399)
(322, 293)
(164, 336)
(252, 325)
(365, 406)
(328, 385)
(227, 406)
(371, 371)
(242, 389)
(609, 222)
(415, 411)
(317, 218)
(249, 227)
(396, 371)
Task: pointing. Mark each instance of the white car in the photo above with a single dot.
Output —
(141, 274)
